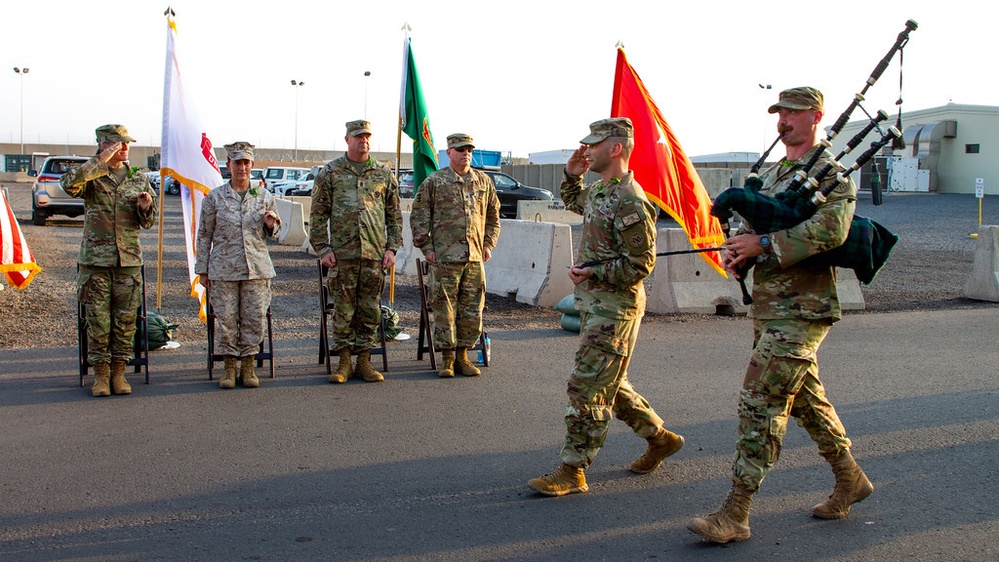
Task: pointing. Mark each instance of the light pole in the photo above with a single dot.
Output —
(296, 83)
(765, 88)
(21, 72)
(366, 74)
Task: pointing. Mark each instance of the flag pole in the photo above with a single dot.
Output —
(168, 13)
(398, 141)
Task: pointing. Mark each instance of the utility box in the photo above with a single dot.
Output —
(906, 175)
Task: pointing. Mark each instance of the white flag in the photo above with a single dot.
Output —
(187, 154)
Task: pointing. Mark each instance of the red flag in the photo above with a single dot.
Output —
(661, 166)
(16, 260)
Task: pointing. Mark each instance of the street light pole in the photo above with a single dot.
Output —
(21, 72)
(765, 88)
(296, 83)
(366, 74)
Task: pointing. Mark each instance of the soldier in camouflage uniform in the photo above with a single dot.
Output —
(455, 223)
(794, 305)
(617, 252)
(356, 227)
(234, 264)
(117, 201)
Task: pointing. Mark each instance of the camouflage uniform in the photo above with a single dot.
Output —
(619, 225)
(794, 305)
(232, 252)
(109, 282)
(457, 218)
(364, 221)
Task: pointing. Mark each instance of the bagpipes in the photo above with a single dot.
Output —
(868, 243)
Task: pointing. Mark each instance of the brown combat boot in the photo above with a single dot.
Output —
(228, 379)
(118, 383)
(730, 522)
(343, 369)
(446, 368)
(852, 486)
(662, 444)
(566, 479)
(102, 378)
(463, 365)
(364, 368)
(248, 371)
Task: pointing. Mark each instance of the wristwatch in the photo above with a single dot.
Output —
(765, 242)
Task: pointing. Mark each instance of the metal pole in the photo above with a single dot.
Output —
(21, 72)
(366, 74)
(296, 83)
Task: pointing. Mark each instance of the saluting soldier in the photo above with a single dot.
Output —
(117, 202)
(616, 254)
(456, 224)
(356, 227)
(794, 305)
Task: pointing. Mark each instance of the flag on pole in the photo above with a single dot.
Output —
(187, 155)
(661, 166)
(16, 260)
(413, 118)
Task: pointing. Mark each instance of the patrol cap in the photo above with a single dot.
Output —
(458, 140)
(113, 133)
(606, 128)
(359, 127)
(798, 98)
(239, 150)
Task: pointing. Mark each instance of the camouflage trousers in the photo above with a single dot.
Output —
(458, 296)
(356, 289)
(240, 309)
(110, 297)
(599, 387)
(783, 380)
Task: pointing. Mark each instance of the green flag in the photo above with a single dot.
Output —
(413, 119)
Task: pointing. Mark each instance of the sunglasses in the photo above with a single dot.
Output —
(463, 149)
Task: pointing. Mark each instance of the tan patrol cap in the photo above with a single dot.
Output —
(359, 127)
(239, 150)
(798, 98)
(113, 133)
(606, 128)
(458, 140)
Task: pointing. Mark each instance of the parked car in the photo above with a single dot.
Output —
(154, 179)
(284, 188)
(256, 175)
(407, 188)
(510, 191)
(47, 196)
(301, 189)
(278, 174)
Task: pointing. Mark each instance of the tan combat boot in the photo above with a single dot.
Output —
(662, 444)
(343, 370)
(446, 368)
(102, 378)
(228, 379)
(852, 486)
(730, 522)
(463, 365)
(247, 370)
(118, 383)
(566, 479)
(364, 368)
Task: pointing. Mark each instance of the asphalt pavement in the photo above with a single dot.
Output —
(420, 468)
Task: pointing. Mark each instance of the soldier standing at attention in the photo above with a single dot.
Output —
(456, 224)
(234, 263)
(117, 201)
(619, 233)
(794, 305)
(356, 227)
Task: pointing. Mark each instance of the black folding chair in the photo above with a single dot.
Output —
(261, 355)
(140, 343)
(425, 341)
(326, 309)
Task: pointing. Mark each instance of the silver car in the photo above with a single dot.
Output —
(47, 197)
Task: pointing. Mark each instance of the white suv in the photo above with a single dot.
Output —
(278, 174)
(47, 197)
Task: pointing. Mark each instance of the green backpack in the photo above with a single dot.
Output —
(160, 330)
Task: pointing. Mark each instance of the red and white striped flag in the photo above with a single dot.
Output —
(16, 263)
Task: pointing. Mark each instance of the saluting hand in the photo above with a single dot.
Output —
(108, 153)
(577, 164)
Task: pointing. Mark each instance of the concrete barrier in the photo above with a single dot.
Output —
(405, 258)
(293, 232)
(406, 205)
(685, 283)
(304, 201)
(983, 283)
(547, 211)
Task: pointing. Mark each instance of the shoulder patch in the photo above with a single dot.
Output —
(631, 219)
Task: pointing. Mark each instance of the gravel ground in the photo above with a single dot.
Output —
(927, 270)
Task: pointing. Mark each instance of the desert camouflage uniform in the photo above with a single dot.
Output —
(619, 224)
(457, 218)
(232, 252)
(794, 305)
(109, 282)
(364, 220)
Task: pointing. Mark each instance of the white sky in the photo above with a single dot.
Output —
(520, 76)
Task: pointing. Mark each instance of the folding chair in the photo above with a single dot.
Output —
(425, 341)
(261, 355)
(140, 343)
(326, 309)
